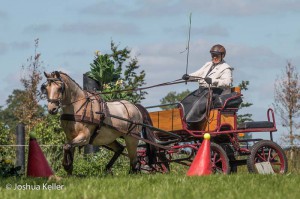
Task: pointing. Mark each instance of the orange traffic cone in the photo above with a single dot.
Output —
(201, 165)
(37, 165)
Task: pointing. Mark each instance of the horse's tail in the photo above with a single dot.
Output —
(147, 133)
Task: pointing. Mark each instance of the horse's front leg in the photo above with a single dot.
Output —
(81, 140)
(68, 158)
(69, 150)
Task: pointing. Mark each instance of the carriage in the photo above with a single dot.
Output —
(228, 148)
(156, 139)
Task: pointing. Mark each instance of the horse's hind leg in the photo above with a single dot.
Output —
(118, 149)
(131, 145)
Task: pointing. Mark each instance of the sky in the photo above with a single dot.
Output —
(260, 36)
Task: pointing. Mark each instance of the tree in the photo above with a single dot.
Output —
(247, 116)
(7, 115)
(116, 72)
(173, 97)
(287, 100)
(22, 104)
(30, 112)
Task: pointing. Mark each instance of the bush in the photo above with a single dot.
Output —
(94, 164)
(49, 132)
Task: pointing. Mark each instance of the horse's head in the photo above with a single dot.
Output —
(54, 89)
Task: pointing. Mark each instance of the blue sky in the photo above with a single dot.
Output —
(259, 35)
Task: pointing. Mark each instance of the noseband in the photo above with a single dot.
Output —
(62, 91)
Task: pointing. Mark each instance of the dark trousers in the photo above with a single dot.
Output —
(195, 104)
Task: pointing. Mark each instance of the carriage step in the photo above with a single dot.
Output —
(253, 125)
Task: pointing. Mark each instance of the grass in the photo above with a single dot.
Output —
(161, 186)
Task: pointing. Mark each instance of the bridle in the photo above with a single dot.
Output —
(62, 90)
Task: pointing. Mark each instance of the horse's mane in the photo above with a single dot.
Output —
(60, 72)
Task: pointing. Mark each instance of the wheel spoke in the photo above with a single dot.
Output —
(219, 160)
(269, 155)
(263, 151)
(214, 157)
(260, 157)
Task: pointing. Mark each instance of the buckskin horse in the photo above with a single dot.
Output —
(82, 125)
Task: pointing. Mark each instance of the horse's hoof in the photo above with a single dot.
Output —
(67, 147)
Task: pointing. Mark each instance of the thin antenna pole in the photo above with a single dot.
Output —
(188, 45)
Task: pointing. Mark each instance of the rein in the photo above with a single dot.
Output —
(178, 81)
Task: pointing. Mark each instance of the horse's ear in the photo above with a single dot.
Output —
(47, 75)
(57, 74)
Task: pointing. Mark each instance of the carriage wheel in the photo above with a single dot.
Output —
(270, 152)
(219, 160)
(161, 164)
(230, 154)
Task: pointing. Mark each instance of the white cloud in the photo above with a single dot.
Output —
(242, 8)
(74, 53)
(104, 8)
(3, 15)
(3, 48)
(156, 8)
(37, 28)
(101, 28)
(16, 45)
(212, 30)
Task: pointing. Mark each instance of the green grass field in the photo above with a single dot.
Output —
(163, 186)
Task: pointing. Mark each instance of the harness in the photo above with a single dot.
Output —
(77, 117)
(89, 119)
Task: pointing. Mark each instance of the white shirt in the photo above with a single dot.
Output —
(221, 74)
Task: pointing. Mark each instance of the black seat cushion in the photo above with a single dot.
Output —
(220, 100)
(261, 124)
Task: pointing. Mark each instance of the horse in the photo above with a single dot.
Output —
(86, 119)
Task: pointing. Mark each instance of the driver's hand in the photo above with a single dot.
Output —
(185, 77)
(208, 80)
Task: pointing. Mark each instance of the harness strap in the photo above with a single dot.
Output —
(78, 118)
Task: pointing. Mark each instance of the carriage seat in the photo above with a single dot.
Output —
(253, 125)
(230, 100)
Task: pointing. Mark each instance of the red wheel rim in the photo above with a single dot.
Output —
(270, 154)
(218, 162)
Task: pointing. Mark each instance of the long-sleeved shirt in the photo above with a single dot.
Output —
(221, 74)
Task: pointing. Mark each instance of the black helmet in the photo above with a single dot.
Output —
(218, 49)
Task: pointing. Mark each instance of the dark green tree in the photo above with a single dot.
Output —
(247, 116)
(7, 114)
(118, 71)
(173, 97)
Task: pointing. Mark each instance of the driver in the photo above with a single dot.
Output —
(217, 71)
(218, 74)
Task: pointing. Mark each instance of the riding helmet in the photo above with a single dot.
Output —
(218, 49)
